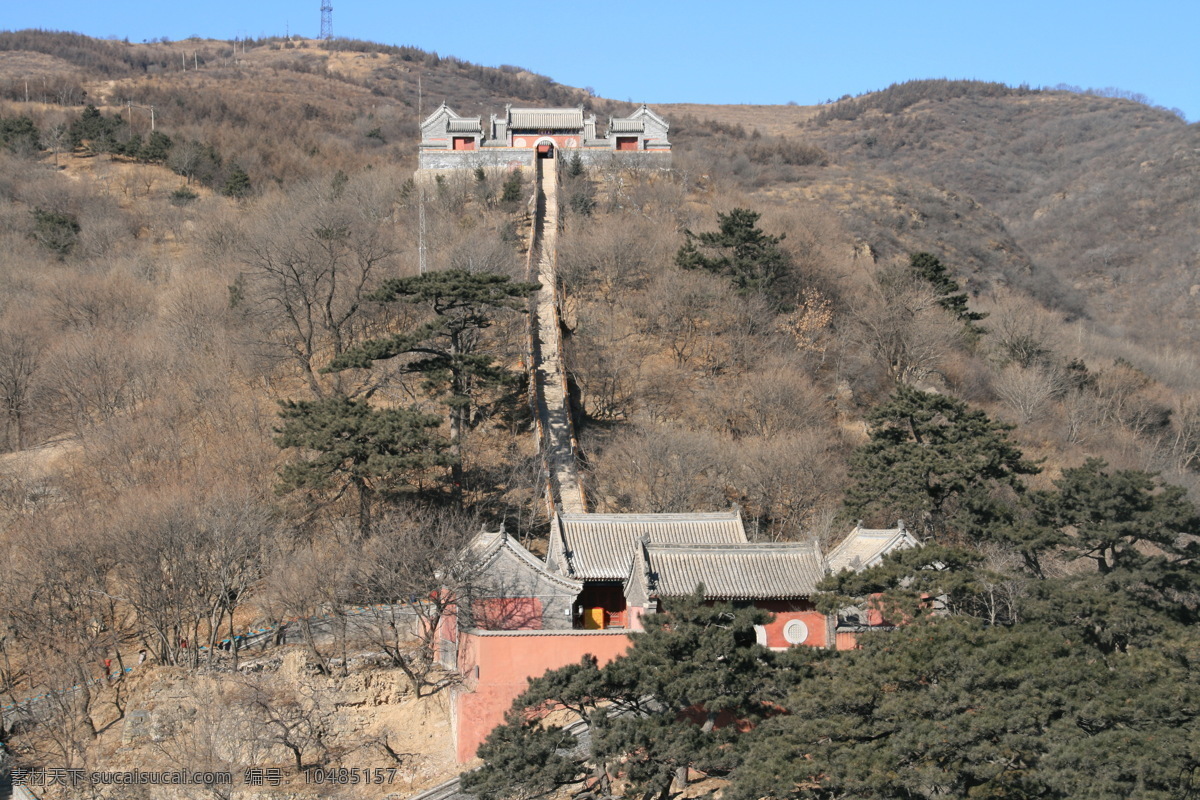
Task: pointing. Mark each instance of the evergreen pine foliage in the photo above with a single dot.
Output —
(351, 446)
(237, 183)
(446, 349)
(743, 252)
(927, 267)
(932, 460)
(957, 708)
(1142, 538)
(95, 131)
(156, 149)
(182, 196)
(1121, 519)
(58, 231)
(511, 190)
(19, 134)
(1079, 687)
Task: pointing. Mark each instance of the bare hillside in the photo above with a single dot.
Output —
(1099, 193)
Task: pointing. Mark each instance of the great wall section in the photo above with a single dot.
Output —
(550, 394)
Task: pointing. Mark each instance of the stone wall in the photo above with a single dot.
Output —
(621, 159)
(511, 157)
(470, 159)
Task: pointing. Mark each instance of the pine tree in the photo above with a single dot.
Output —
(56, 230)
(750, 258)
(956, 708)
(354, 447)
(933, 460)
(927, 267)
(575, 166)
(95, 130)
(237, 184)
(19, 134)
(1141, 537)
(511, 191)
(680, 698)
(446, 349)
(156, 149)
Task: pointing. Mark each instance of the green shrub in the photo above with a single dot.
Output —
(237, 184)
(58, 231)
(19, 133)
(512, 187)
(182, 196)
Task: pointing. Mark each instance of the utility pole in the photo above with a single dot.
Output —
(421, 232)
(421, 200)
(131, 106)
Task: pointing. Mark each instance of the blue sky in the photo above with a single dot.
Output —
(766, 52)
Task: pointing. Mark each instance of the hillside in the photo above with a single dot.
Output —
(337, 105)
(172, 298)
(1098, 193)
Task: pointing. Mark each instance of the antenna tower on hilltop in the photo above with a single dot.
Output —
(326, 19)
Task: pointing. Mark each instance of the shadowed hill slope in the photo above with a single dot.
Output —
(1098, 193)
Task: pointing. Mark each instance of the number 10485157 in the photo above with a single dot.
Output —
(350, 776)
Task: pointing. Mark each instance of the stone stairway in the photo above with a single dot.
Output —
(557, 433)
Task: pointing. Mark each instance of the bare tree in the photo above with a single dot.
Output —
(213, 730)
(311, 262)
(1029, 391)
(56, 600)
(185, 565)
(777, 398)
(413, 572)
(287, 715)
(308, 591)
(662, 469)
(682, 309)
(21, 350)
(902, 327)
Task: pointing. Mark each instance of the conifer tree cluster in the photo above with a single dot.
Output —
(1047, 679)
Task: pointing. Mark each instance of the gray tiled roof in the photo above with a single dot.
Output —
(776, 571)
(626, 126)
(486, 547)
(601, 546)
(465, 125)
(545, 118)
(864, 547)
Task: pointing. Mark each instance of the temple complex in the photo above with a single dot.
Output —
(520, 135)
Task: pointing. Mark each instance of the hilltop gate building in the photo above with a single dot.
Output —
(450, 141)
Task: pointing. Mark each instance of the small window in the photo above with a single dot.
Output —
(795, 632)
